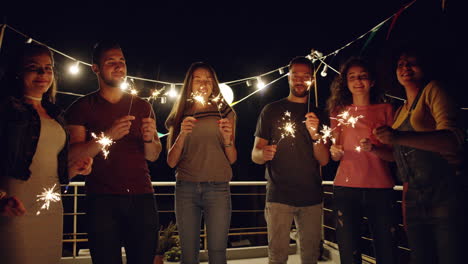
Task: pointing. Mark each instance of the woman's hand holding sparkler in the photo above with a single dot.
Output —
(187, 125)
(312, 122)
(120, 128)
(11, 206)
(336, 152)
(385, 134)
(225, 127)
(366, 144)
(148, 129)
(81, 167)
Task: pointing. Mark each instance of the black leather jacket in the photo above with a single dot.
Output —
(20, 126)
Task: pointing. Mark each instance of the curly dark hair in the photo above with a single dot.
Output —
(340, 96)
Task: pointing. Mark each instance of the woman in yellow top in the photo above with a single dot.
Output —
(424, 136)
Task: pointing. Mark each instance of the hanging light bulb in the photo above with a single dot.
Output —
(324, 71)
(75, 68)
(29, 40)
(248, 83)
(227, 93)
(281, 71)
(260, 83)
(172, 92)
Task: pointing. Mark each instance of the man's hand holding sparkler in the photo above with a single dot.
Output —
(148, 129)
(120, 128)
(269, 152)
(149, 134)
(11, 206)
(312, 122)
(80, 167)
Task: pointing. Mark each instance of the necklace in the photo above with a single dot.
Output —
(33, 98)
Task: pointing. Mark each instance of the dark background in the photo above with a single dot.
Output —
(239, 39)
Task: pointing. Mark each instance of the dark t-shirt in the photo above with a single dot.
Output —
(294, 174)
(125, 170)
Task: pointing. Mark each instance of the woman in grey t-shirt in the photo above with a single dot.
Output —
(201, 146)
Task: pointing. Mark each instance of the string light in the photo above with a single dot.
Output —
(227, 93)
(281, 70)
(75, 68)
(324, 71)
(172, 92)
(260, 83)
(29, 40)
(248, 83)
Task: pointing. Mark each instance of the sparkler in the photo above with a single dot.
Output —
(105, 143)
(289, 128)
(346, 119)
(154, 95)
(48, 196)
(218, 101)
(358, 148)
(197, 97)
(326, 133)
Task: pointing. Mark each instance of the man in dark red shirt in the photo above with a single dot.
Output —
(121, 209)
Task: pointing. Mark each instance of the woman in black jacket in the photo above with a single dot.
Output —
(33, 161)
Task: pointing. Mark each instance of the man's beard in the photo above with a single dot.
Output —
(112, 82)
(301, 95)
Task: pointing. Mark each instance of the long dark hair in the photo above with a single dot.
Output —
(12, 82)
(183, 104)
(340, 96)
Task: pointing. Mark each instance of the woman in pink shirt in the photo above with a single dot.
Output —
(363, 183)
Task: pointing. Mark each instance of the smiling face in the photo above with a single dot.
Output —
(359, 81)
(112, 68)
(37, 75)
(300, 79)
(202, 82)
(409, 71)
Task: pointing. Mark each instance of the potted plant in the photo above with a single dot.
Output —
(173, 255)
(167, 240)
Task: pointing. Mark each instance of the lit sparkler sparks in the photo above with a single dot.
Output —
(48, 196)
(105, 143)
(346, 119)
(198, 97)
(358, 148)
(289, 127)
(326, 133)
(218, 101)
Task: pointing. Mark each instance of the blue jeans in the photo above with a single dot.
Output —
(351, 205)
(128, 220)
(214, 199)
(433, 232)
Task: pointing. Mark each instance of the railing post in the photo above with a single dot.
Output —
(75, 218)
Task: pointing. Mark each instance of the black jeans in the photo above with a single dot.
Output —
(351, 205)
(128, 220)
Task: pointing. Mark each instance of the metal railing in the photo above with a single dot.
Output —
(75, 191)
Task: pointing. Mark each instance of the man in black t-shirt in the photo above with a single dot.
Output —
(287, 141)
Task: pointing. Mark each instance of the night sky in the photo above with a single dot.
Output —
(239, 39)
